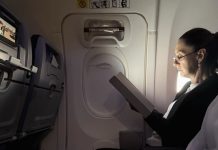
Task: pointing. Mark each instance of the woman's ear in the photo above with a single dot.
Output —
(201, 54)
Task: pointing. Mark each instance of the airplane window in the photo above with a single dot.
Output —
(181, 81)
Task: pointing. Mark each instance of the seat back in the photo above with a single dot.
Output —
(207, 137)
(15, 65)
(46, 89)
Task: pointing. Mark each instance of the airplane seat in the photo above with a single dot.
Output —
(207, 137)
(15, 66)
(46, 89)
(43, 97)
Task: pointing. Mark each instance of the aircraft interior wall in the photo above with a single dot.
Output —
(164, 21)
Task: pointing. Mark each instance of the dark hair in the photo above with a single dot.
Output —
(199, 38)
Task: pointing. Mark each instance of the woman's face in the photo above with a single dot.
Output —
(185, 60)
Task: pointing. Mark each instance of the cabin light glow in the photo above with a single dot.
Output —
(181, 81)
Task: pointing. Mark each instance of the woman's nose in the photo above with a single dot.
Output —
(175, 62)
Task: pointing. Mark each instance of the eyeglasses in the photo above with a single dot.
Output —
(178, 58)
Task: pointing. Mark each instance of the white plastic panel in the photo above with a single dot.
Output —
(100, 97)
(96, 112)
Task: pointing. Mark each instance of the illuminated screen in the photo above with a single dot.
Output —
(7, 32)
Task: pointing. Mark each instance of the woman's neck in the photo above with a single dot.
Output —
(201, 75)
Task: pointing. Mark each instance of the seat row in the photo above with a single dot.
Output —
(31, 80)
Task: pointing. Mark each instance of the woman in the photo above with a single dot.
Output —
(196, 58)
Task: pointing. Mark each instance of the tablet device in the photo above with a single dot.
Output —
(132, 94)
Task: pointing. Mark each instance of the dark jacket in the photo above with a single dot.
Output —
(186, 116)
